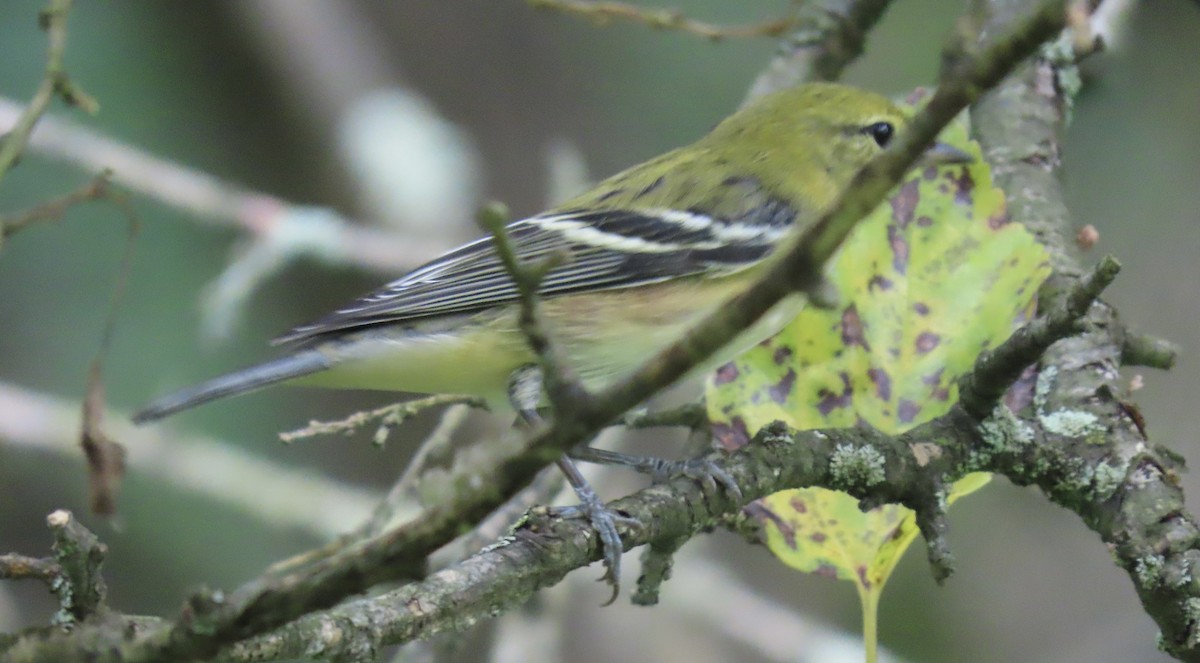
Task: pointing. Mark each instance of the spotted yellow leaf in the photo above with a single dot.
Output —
(933, 277)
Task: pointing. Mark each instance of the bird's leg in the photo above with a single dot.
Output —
(603, 519)
(525, 394)
(709, 474)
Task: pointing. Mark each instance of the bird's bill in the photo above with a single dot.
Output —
(941, 154)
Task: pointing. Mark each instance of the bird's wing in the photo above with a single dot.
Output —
(606, 250)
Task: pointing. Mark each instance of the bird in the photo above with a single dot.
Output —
(648, 253)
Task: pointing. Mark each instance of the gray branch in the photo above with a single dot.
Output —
(829, 36)
(1101, 466)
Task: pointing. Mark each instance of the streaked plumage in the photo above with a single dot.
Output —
(608, 249)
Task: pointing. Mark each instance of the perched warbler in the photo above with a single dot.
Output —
(651, 251)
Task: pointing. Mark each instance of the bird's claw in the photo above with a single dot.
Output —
(605, 522)
(702, 470)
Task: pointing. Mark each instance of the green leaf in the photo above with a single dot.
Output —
(824, 532)
(815, 530)
(925, 284)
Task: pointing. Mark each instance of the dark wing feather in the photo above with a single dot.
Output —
(608, 249)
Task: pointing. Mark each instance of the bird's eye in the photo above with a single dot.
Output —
(881, 132)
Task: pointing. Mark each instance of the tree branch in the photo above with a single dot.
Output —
(213, 201)
(388, 416)
(829, 36)
(253, 486)
(1097, 461)
(661, 19)
(79, 555)
(1151, 351)
(55, 208)
(20, 567)
(544, 549)
(980, 390)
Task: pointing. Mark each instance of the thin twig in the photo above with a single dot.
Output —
(400, 502)
(549, 483)
(55, 208)
(436, 449)
(982, 388)
(252, 485)
(688, 415)
(318, 231)
(561, 386)
(21, 567)
(388, 416)
(662, 19)
(105, 456)
(54, 83)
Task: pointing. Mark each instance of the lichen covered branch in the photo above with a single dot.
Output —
(1096, 460)
(544, 549)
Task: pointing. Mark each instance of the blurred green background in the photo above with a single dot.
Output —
(219, 86)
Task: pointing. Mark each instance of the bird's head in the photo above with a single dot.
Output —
(830, 130)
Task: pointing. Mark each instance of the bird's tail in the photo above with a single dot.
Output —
(230, 384)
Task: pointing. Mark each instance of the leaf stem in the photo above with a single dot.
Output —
(869, 600)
